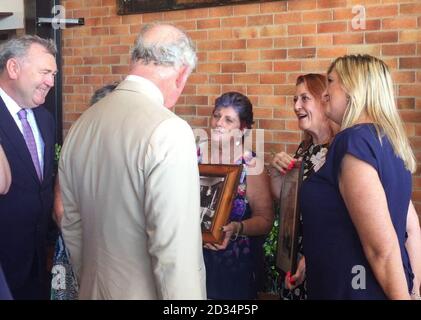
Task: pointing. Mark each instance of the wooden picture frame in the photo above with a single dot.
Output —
(289, 219)
(218, 188)
(145, 6)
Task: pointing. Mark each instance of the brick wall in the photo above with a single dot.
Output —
(258, 49)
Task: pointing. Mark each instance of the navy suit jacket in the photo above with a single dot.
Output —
(25, 209)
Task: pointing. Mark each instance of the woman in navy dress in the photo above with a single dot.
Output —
(356, 207)
(309, 108)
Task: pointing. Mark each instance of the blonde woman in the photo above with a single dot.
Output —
(356, 207)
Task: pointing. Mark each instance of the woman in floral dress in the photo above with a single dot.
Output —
(231, 268)
(318, 132)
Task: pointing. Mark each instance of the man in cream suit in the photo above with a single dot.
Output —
(130, 182)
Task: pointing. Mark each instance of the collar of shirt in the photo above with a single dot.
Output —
(148, 87)
(14, 108)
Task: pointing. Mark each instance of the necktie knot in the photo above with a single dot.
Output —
(22, 114)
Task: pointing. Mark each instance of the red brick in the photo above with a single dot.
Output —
(412, 8)
(406, 103)
(331, 27)
(197, 100)
(274, 78)
(381, 37)
(277, 54)
(301, 53)
(208, 24)
(273, 31)
(383, 11)
(260, 20)
(259, 66)
(219, 56)
(233, 67)
(234, 22)
(234, 44)
(403, 77)
(266, 113)
(295, 5)
(399, 23)
(332, 52)
(271, 124)
(287, 18)
(288, 42)
(302, 29)
(317, 16)
(410, 90)
(246, 55)
(348, 38)
(260, 89)
(258, 43)
(271, 7)
(399, 49)
(220, 78)
(409, 63)
(246, 78)
(288, 90)
(183, 110)
(286, 66)
(318, 40)
(209, 67)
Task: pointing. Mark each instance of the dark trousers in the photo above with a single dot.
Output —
(36, 287)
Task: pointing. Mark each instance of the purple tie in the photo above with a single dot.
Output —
(30, 141)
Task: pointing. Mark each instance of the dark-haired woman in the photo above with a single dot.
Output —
(232, 267)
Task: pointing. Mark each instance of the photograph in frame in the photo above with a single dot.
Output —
(289, 214)
(218, 187)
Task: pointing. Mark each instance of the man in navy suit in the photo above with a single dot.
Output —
(27, 71)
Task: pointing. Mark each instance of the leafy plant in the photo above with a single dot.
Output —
(57, 150)
(269, 247)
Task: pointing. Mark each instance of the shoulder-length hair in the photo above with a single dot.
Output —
(368, 83)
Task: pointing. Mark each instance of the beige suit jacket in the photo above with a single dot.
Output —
(130, 187)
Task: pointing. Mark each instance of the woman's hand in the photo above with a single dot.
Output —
(283, 162)
(292, 281)
(229, 229)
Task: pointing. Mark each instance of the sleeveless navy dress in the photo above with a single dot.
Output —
(333, 251)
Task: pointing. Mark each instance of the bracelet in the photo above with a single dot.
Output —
(239, 231)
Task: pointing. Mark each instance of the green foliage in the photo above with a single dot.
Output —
(57, 150)
(269, 247)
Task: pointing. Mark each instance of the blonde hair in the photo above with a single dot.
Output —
(368, 83)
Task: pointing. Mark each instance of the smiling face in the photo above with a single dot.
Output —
(33, 76)
(338, 100)
(224, 120)
(308, 109)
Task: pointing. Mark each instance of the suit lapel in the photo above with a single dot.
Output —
(43, 127)
(13, 134)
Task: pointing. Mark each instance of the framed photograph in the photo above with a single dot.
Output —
(218, 187)
(143, 6)
(289, 215)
